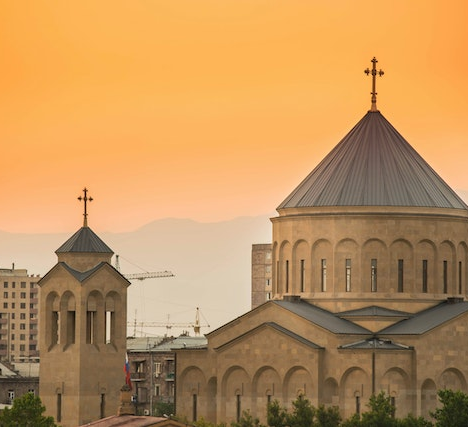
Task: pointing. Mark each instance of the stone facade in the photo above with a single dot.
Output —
(261, 274)
(369, 280)
(82, 339)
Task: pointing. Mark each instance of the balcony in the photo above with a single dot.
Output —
(170, 376)
(137, 376)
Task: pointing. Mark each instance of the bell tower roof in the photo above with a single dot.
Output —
(84, 240)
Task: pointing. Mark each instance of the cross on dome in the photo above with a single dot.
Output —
(374, 73)
(85, 199)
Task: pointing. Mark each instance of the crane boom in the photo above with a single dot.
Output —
(149, 275)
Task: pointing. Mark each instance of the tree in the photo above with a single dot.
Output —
(247, 420)
(303, 413)
(276, 414)
(26, 411)
(454, 410)
(382, 412)
(327, 416)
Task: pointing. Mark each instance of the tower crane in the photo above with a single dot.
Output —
(143, 276)
(168, 325)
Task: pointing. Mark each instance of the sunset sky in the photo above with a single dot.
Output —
(211, 109)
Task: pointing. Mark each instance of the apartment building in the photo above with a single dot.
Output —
(18, 315)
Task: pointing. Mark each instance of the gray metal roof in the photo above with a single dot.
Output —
(374, 311)
(322, 318)
(373, 165)
(81, 275)
(426, 320)
(84, 240)
(375, 343)
(164, 344)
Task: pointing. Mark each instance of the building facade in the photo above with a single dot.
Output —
(152, 369)
(261, 274)
(369, 281)
(83, 311)
(19, 315)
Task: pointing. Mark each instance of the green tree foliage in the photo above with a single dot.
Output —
(163, 408)
(454, 410)
(327, 416)
(382, 412)
(26, 411)
(276, 414)
(247, 420)
(303, 413)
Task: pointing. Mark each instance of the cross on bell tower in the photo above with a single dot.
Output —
(374, 73)
(85, 199)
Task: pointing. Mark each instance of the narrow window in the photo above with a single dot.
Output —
(194, 407)
(70, 327)
(358, 405)
(90, 330)
(287, 276)
(109, 326)
(238, 407)
(393, 403)
(324, 275)
(277, 275)
(424, 275)
(103, 405)
(445, 277)
(157, 390)
(400, 275)
(59, 407)
(373, 275)
(55, 327)
(348, 275)
(459, 277)
(302, 274)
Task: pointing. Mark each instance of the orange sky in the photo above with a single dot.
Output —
(211, 109)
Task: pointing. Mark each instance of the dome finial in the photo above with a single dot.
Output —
(85, 199)
(374, 73)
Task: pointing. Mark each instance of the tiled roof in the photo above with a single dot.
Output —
(426, 320)
(84, 240)
(373, 165)
(322, 318)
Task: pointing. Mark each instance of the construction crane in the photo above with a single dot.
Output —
(143, 276)
(168, 325)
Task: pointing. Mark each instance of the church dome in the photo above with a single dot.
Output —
(373, 165)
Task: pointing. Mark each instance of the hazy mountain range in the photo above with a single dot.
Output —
(211, 263)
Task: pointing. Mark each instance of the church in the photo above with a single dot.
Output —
(368, 288)
(83, 312)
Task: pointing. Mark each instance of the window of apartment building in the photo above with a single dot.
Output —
(23, 326)
(400, 275)
(22, 337)
(11, 396)
(445, 266)
(157, 369)
(31, 284)
(23, 284)
(5, 305)
(12, 337)
(13, 305)
(12, 347)
(5, 294)
(373, 275)
(22, 347)
(22, 316)
(5, 285)
(12, 315)
(424, 275)
(31, 295)
(13, 325)
(13, 294)
(302, 275)
(23, 295)
(32, 347)
(23, 305)
(324, 275)
(13, 284)
(348, 274)
(157, 390)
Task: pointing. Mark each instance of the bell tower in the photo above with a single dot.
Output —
(83, 312)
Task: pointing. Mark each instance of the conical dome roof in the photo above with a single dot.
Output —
(373, 166)
(84, 240)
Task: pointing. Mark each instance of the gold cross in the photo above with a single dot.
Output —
(85, 199)
(374, 73)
